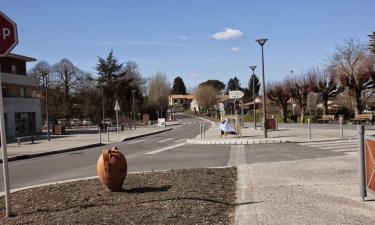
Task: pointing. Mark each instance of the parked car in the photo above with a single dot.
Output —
(87, 122)
(108, 121)
(62, 122)
(75, 122)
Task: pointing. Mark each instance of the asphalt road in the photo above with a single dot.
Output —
(171, 152)
(164, 151)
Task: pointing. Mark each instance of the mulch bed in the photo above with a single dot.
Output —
(197, 196)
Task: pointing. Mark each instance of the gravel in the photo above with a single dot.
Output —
(196, 196)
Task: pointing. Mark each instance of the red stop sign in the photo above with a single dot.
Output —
(8, 34)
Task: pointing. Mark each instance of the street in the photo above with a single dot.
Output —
(165, 151)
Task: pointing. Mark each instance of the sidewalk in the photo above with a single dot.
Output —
(282, 135)
(77, 140)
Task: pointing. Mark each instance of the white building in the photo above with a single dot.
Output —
(22, 108)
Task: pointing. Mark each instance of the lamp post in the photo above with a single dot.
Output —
(103, 104)
(161, 106)
(44, 74)
(254, 107)
(261, 42)
(135, 126)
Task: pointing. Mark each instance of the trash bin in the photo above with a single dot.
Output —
(271, 124)
(58, 130)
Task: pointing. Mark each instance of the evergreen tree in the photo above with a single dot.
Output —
(233, 84)
(218, 85)
(372, 42)
(178, 86)
(109, 71)
(249, 90)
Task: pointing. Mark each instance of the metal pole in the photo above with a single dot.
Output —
(200, 129)
(361, 151)
(100, 135)
(235, 113)
(107, 134)
(117, 121)
(134, 111)
(277, 123)
(342, 127)
(264, 97)
(103, 104)
(309, 128)
(204, 131)
(47, 116)
(254, 106)
(5, 156)
(242, 120)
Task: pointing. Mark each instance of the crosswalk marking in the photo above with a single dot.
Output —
(165, 140)
(347, 147)
(179, 140)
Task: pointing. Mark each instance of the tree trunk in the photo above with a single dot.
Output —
(357, 103)
(302, 114)
(284, 111)
(325, 107)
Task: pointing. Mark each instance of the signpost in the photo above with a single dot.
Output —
(117, 108)
(236, 95)
(8, 40)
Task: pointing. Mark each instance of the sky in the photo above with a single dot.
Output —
(194, 39)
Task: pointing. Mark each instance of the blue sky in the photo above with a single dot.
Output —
(177, 37)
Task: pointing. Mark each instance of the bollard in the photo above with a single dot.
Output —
(342, 127)
(107, 135)
(100, 135)
(309, 128)
(361, 151)
(277, 123)
(204, 131)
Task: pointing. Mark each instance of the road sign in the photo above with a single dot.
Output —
(8, 35)
(236, 94)
(117, 106)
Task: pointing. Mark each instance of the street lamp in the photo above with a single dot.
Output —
(135, 126)
(261, 42)
(44, 74)
(255, 121)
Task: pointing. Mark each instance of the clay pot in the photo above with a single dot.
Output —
(111, 169)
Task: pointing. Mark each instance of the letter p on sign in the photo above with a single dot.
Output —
(8, 35)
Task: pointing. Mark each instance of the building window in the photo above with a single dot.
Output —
(175, 101)
(25, 123)
(5, 91)
(14, 69)
(23, 92)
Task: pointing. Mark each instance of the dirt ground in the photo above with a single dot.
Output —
(197, 196)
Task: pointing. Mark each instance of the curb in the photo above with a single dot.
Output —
(34, 155)
(40, 154)
(255, 141)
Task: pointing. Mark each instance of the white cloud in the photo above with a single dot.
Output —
(235, 49)
(227, 34)
(183, 37)
(193, 75)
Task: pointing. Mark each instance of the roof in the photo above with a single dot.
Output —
(182, 96)
(22, 57)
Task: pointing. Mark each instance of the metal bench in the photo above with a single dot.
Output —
(328, 118)
(363, 118)
(24, 137)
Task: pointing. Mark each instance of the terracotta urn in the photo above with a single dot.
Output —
(111, 169)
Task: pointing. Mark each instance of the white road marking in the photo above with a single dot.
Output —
(153, 140)
(137, 141)
(165, 149)
(179, 140)
(165, 140)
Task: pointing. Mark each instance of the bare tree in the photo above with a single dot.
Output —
(206, 96)
(158, 89)
(300, 88)
(327, 85)
(354, 66)
(66, 75)
(279, 93)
